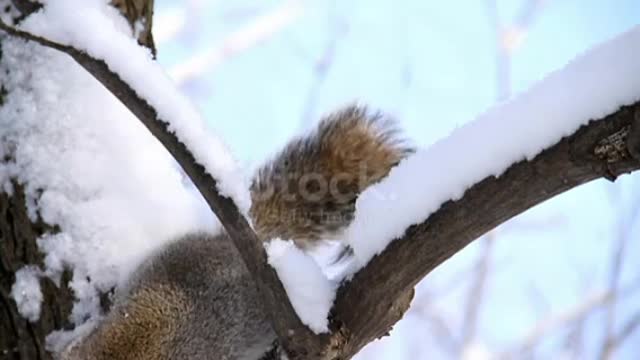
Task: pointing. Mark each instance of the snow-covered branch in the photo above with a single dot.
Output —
(292, 333)
(596, 150)
(579, 124)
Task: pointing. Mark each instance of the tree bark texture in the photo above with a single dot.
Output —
(19, 338)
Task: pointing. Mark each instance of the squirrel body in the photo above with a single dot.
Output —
(195, 299)
(192, 299)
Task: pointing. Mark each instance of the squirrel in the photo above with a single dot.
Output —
(308, 192)
(195, 299)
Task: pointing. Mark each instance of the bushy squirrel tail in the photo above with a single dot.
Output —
(308, 191)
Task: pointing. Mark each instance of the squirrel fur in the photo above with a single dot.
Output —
(308, 191)
(195, 299)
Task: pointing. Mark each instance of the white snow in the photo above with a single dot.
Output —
(476, 351)
(95, 27)
(27, 293)
(310, 291)
(590, 87)
(91, 168)
(168, 24)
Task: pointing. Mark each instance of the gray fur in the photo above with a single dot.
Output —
(224, 319)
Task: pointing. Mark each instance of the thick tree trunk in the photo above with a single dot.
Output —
(20, 338)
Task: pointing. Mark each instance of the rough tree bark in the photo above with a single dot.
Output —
(19, 338)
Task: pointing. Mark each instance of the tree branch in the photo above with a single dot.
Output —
(572, 315)
(367, 306)
(614, 342)
(256, 32)
(293, 335)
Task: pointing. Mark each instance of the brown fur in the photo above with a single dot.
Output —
(308, 191)
(153, 314)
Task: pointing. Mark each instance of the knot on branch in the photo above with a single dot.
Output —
(337, 342)
(633, 138)
(613, 148)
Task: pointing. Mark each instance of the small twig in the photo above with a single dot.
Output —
(508, 39)
(477, 291)
(614, 342)
(321, 68)
(617, 262)
(241, 40)
(577, 312)
(441, 331)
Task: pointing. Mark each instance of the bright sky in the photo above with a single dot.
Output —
(433, 65)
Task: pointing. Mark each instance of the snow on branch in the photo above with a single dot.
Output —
(599, 149)
(590, 87)
(129, 72)
(580, 124)
(69, 26)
